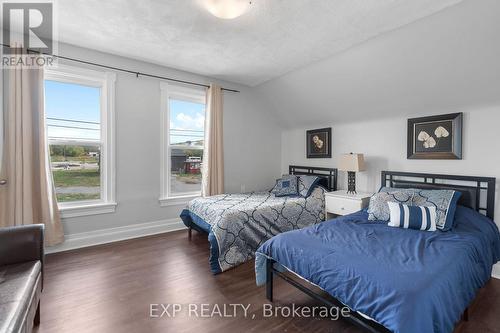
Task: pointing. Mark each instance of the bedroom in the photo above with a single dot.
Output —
(361, 69)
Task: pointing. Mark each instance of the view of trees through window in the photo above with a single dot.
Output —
(73, 124)
(76, 172)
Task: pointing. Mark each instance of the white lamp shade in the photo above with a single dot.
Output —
(352, 162)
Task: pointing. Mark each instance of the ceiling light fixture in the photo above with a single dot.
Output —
(227, 9)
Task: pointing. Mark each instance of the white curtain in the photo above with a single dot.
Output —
(213, 157)
(28, 197)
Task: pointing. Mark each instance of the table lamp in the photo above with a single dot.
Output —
(351, 163)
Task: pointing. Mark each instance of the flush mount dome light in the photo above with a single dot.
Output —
(227, 9)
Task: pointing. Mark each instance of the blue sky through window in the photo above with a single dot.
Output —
(187, 121)
(70, 101)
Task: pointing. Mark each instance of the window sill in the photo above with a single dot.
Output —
(177, 201)
(87, 209)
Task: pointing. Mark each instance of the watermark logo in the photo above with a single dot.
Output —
(206, 310)
(28, 33)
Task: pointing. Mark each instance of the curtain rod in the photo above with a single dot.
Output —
(137, 74)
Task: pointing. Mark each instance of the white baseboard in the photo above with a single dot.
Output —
(496, 271)
(104, 236)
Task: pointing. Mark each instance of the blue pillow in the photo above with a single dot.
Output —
(307, 184)
(412, 217)
(286, 186)
(445, 202)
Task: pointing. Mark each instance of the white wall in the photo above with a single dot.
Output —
(383, 142)
(248, 129)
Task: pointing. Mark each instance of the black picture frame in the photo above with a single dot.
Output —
(319, 143)
(435, 137)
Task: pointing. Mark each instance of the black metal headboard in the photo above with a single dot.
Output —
(478, 193)
(328, 176)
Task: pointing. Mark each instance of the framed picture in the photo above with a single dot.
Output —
(319, 143)
(435, 137)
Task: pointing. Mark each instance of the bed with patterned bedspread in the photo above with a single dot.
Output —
(237, 224)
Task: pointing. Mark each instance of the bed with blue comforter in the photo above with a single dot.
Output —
(410, 281)
(237, 224)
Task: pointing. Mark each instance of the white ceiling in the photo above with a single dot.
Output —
(273, 38)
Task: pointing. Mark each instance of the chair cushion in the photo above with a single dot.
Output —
(19, 285)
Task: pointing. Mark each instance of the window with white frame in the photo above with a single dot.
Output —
(79, 111)
(183, 123)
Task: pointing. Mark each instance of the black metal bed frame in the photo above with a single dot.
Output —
(354, 317)
(479, 184)
(390, 176)
(330, 174)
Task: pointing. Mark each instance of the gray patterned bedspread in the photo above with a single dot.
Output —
(237, 224)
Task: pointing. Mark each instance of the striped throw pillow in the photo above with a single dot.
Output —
(412, 217)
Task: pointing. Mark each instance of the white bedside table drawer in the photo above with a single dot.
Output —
(343, 203)
(341, 206)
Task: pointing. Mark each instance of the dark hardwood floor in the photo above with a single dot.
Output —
(110, 288)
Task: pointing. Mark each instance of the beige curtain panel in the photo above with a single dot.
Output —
(213, 157)
(28, 196)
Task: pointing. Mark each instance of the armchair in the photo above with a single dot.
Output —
(21, 277)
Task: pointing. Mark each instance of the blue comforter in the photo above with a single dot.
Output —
(407, 280)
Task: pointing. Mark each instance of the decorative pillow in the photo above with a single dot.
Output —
(394, 189)
(378, 210)
(285, 186)
(412, 217)
(445, 202)
(307, 184)
(285, 175)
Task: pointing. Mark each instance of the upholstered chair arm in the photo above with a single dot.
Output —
(21, 244)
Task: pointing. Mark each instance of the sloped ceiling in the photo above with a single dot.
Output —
(273, 38)
(448, 62)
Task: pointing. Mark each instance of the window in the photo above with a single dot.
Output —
(79, 118)
(183, 122)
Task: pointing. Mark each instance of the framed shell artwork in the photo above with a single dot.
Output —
(435, 137)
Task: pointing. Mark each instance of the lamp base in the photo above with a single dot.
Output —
(351, 182)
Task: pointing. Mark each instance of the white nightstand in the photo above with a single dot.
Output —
(341, 203)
